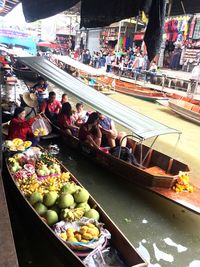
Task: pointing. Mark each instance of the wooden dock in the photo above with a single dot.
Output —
(8, 254)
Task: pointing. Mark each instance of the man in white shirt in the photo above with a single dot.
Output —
(195, 79)
(108, 63)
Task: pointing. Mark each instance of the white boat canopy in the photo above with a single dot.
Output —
(141, 125)
(78, 65)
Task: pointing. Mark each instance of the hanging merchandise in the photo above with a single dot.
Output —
(196, 34)
(124, 42)
(192, 26)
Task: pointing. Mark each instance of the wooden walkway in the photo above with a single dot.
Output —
(8, 256)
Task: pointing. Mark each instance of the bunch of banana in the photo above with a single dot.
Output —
(64, 177)
(51, 184)
(74, 214)
(17, 142)
(28, 186)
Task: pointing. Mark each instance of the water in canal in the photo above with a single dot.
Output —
(163, 233)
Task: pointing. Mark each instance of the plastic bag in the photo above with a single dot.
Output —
(41, 127)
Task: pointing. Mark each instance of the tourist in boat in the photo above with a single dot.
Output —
(51, 107)
(80, 115)
(40, 88)
(109, 132)
(19, 127)
(66, 120)
(64, 99)
(90, 132)
(7, 71)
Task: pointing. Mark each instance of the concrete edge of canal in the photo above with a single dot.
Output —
(8, 253)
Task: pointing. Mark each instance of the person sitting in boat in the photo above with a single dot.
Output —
(7, 71)
(109, 132)
(51, 107)
(80, 115)
(40, 88)
(66, 120)
(64, 99)
(90, 132)
(19, 127)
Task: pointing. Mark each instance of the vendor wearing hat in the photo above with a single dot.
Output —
(40, 88)
(7, 71)
(19, 127)
(30, 103)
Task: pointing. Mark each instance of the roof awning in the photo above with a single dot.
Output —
(9, 5)
(78, 65)
(142, 126)
(180, 7)
(95, 13)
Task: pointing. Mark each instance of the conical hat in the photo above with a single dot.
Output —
(30, 99)
(5, 127)
(6, 66)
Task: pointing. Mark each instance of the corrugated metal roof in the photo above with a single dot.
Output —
(141, 125)
(9, 5)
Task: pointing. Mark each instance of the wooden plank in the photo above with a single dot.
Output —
(8, 254)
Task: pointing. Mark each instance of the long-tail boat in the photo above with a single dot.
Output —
(116, 84)
(186, 109)
(158, 172)
(67, 255)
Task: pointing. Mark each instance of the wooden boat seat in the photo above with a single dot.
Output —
(155, 170)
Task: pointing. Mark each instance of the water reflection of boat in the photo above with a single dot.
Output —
(159, 172)
(60, 248)
(186, 109)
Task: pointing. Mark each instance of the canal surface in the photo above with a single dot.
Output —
(163, 233)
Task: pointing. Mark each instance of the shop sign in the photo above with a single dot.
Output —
(13, 33)
(138, 36)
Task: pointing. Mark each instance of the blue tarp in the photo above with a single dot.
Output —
(27, 43)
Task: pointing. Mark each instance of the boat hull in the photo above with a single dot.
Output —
(26, 74)
(135, 176)
(184, 112)
(133, 89)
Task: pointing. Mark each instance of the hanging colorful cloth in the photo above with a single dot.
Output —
(124, 42)
(2, 5)
(192, 26)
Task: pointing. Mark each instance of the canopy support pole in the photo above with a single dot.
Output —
(119, 34)
(149, 149)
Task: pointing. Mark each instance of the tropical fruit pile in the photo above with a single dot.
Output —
(55, 196)
(182, 183)
(17, 144)
(85, 234)
(40, 132)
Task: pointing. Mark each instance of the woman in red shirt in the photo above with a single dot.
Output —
(90, 132)
(19, 127)
(66, 120)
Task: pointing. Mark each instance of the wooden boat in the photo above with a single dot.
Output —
(158, 176)
(26, 74)
(67, 255)
(132, 89)
(160, 170)
(186, 109)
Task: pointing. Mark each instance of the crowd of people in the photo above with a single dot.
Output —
(91, 127)
(132, 62)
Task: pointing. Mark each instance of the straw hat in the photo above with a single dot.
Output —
(5, 127)
(6, 66)
(30, 99)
